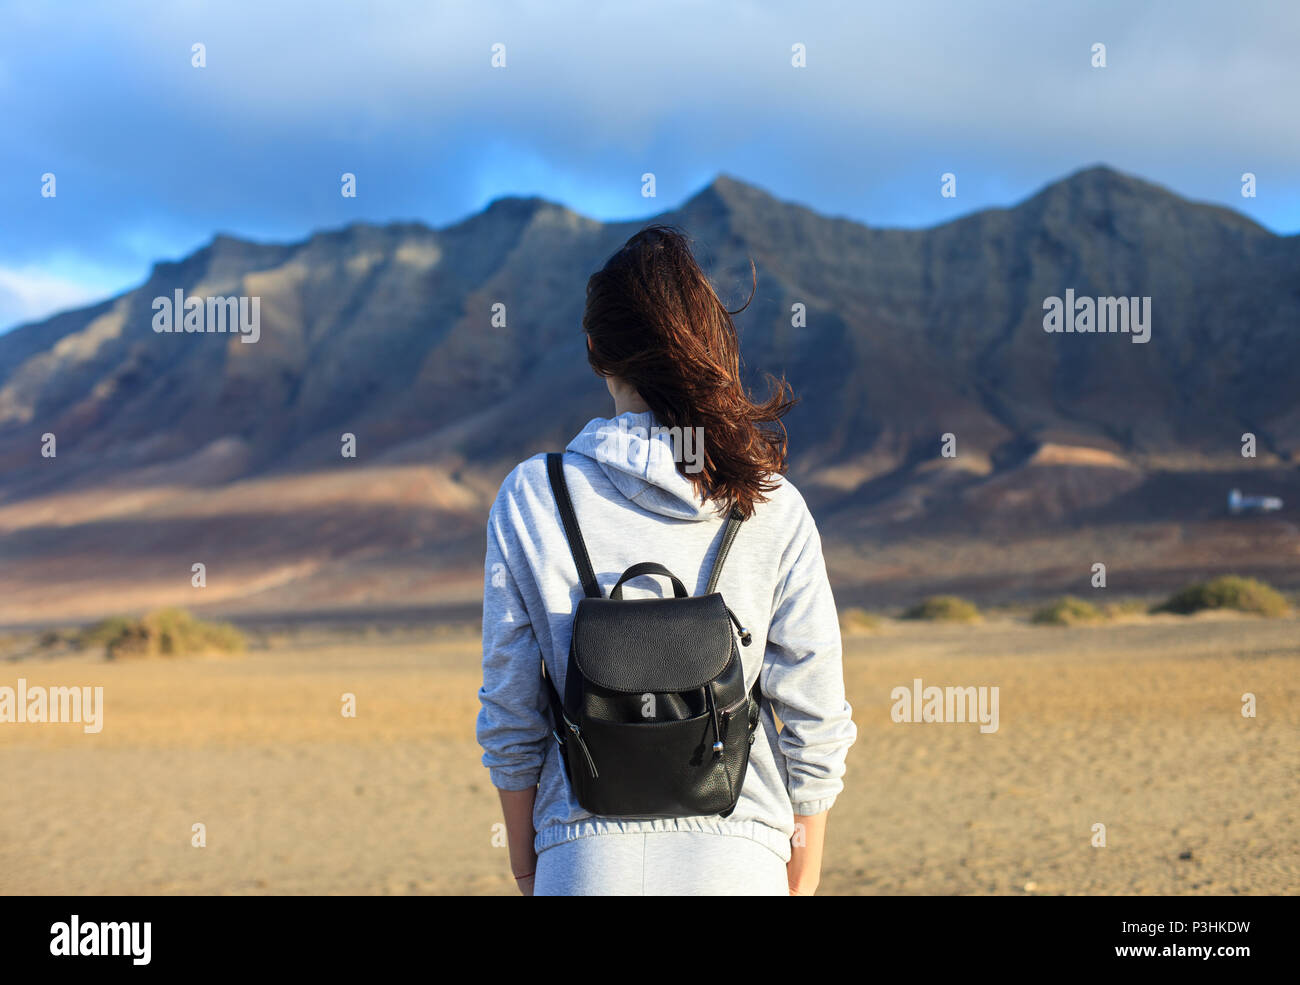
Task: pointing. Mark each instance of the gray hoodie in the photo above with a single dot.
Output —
(633, 505)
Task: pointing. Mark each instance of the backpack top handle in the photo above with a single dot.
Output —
(648, 568)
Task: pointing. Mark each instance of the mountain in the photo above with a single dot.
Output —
(172, 445)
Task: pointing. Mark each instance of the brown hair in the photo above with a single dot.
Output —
(655, 321)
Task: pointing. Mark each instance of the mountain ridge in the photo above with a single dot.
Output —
(458, 349)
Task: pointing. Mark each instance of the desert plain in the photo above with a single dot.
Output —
(1135, 725)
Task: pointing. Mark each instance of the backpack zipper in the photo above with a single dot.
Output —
(718, 745)
(586, 753)
(717, 725)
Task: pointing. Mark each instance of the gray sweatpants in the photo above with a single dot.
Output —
(661, 863)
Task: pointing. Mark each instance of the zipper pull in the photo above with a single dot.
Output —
(717, 726)
(745, 637)
(591, 763)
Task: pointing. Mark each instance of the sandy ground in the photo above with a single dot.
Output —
(1135, 726)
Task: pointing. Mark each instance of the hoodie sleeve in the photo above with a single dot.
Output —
(804, 678)
(512, 724)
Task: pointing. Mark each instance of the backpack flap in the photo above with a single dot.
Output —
(656, 645)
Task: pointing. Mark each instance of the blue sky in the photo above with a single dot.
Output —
(152, 156)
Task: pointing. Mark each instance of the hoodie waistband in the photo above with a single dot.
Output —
(766, 836)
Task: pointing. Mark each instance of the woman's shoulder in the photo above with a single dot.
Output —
(523, 481)
(785, 504)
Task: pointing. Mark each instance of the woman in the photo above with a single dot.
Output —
(667, 349)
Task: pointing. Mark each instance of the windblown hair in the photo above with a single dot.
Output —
(655, 321)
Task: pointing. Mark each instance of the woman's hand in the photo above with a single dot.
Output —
(804, 870)
(517, 808)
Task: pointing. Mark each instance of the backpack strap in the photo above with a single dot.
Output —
(555, 469)
(558, 719)
(728, 535)
(578, 548)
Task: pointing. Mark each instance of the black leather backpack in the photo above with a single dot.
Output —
(655, 721)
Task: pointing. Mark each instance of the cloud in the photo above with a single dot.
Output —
(153, 156)
(30, 293)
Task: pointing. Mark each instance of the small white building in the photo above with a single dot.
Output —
(1237, 503)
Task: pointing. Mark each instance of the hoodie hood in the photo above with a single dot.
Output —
(639, 459)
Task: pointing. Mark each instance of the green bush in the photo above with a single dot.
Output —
(1128, 607)
(163, 633)
(1066, 611)
(1226, 592)
(103, 633)
(944, 608)
(858, 620)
